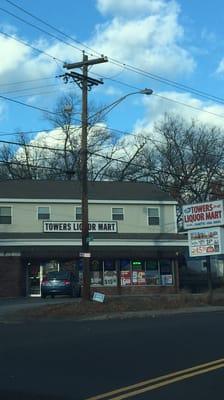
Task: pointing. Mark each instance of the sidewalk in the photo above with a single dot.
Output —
(62, 308)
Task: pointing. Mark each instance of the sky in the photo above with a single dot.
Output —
(174, 47)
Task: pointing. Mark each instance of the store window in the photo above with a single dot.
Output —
(78, 213)
(152, 272)
(5, 215)
(153, 216)
(166, 272)
(125, 267)
(43, 212)
(96, 272)
(110, 273)
(117, 214)
(138, 272)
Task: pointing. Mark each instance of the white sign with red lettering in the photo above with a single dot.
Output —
(206, 242)
(203, 215)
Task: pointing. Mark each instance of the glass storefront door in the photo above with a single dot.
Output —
(34, 279)
(36, 273)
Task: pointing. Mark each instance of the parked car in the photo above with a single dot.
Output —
(60, 283)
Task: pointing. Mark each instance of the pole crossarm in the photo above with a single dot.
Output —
(78, 79)
(86, 62)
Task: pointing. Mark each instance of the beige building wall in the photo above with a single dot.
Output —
(25, 217)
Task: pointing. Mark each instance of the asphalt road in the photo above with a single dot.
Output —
(79, 360)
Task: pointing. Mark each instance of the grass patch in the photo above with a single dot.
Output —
(119, 305)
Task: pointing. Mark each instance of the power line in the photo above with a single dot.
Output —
(26, 81)
(164, 97)
(32, 47)
(31, 166)
(27, 105)
(27, 89)
(130, 163)
(129, 67)
(40, 29)
(53, 27)
(70, 150)
(189, 106)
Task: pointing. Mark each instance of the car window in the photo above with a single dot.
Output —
(59, 275)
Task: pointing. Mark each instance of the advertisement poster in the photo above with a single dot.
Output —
(110, 278)
(141, 278)
(135, 277)
(152, 278)
(96, 278)
(166, 280)
(125, 278)
(203, 215)
(204, 242)
(138, 278)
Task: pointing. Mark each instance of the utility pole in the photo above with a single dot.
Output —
(85, 83)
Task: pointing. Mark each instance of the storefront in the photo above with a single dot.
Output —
(109, 275)
(133, 240)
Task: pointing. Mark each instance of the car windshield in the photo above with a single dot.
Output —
(58, 275)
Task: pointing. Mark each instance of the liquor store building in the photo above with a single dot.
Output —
(134, 244)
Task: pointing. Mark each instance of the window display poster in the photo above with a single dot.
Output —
(96, 278)
(138, 278)
(166, 280)
(135, 277)
(141, 278)
(125, 278)
(110, 278)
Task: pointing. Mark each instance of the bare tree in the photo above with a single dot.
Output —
(189, 159)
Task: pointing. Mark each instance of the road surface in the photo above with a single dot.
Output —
(81, 360)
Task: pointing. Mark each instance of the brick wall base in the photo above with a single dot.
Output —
(132, 290)
(12, 277)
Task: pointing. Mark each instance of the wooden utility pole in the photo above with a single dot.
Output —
(85, 83)
(209, 278)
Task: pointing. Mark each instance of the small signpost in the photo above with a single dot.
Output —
(205, 234)
(99, 297)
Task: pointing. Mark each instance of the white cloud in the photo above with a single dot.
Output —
(124, 7)
(220, 68)
(205, 112)
(151, 41)
(14, 54)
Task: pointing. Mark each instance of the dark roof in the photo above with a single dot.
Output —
(35, 189)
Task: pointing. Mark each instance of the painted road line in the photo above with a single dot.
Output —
(160, 381)
(167, 382)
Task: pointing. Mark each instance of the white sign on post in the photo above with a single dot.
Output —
(203, 215)
(205, 242)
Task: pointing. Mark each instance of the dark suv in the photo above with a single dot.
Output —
(60, 283)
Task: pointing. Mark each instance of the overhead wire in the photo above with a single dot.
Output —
(26, 81)
(122, 64)
(32, 47)
(143, 72)
(40, 29)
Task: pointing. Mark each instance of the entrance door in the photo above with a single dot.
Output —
(34, 280)
(37, 273)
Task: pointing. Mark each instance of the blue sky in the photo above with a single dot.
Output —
(178, 40)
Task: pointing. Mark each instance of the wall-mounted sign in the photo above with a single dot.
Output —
(67, 226)
(204, 242)
(203, 214)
